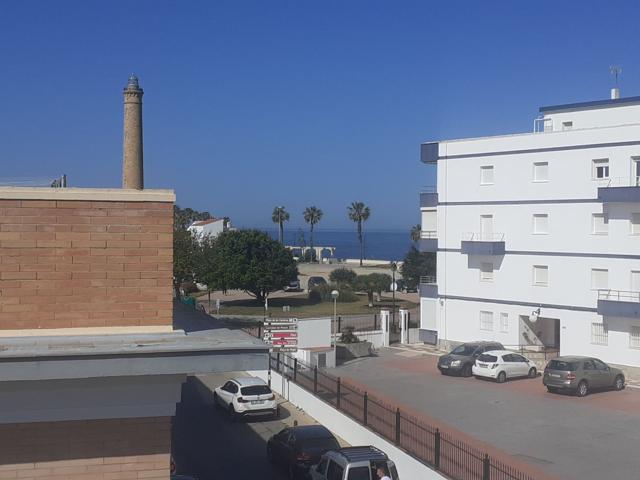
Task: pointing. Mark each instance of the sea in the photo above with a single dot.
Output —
(378, 244)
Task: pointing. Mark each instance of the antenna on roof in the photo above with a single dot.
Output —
(615, 70)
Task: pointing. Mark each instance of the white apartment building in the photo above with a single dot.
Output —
(538, 234)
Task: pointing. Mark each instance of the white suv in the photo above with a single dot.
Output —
(246, 396)
(353, 463)
(501, 365)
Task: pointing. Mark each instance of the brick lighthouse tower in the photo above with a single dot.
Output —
(132, 171)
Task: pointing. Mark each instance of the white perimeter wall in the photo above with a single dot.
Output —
(351, 431)
(314, 332)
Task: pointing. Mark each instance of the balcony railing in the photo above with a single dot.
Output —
(428, 234)
(633, 181)
(619, 296)
(428, 280)
(482, 237)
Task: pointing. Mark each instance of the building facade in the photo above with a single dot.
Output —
(538, 235)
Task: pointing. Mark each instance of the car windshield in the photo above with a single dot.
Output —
(326, 443)
(465, 350)
(562, 365)
(256, 390)
(487, 358)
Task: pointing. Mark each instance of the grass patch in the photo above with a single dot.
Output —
(301, 307)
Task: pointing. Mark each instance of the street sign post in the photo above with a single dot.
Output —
(281, 334)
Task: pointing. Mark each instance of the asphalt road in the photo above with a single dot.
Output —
(207, 444)
(592, 438)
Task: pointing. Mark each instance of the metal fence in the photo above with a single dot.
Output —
(440, 450)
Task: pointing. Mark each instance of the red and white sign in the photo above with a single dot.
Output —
(281, 333)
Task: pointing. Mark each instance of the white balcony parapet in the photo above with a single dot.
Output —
(619, 296)
(482, 237)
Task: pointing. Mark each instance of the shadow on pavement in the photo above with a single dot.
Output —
(206, 443)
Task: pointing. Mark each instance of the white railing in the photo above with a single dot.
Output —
(482, 237)
(619, 296)
(428, 280)
(428, 234)
(542, 125)
(633, 181)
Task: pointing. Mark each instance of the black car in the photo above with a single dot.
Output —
(315, 282)
(297, 448)
(461, 359)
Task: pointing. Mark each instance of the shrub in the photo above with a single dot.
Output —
(346, 293)
(343, 276)
(315, 295)
(348, 336)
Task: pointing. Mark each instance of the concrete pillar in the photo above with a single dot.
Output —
(404, 325)
(384, 325)
(132, 169)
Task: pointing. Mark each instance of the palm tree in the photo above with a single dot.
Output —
(279, 216)
(312, 215)
(359, 212)
(416, 232)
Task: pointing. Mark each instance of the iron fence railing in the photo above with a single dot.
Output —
(440, 450)
(483, 237)
(619, 295)
(427, 234)
(428, 279)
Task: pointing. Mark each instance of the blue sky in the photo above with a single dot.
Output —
(252, 104)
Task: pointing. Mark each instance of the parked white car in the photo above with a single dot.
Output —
(246, 396)
(503, 364)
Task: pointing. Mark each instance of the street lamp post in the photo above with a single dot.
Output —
(334, 295)
(394, 267)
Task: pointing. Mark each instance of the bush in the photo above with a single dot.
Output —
(324, 291)
(315, 295)
(343, 276)
(348, 336)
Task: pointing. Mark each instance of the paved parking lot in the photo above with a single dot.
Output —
(207, 444)
(572, 438)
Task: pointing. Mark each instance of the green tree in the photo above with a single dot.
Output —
(358, 212)
(343, 276)
(185, 257)
(417, 264)
(279, 216)
(312, 215)
(416, 232)
(372, 283)
(252, 261)
(182, 218)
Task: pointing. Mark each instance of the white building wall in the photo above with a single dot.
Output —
(570, 249)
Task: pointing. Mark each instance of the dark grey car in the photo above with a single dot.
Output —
(461, 359)
(580, 375)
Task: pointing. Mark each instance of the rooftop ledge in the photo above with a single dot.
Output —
(87, 194)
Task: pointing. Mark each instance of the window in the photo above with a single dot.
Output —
(540, 224)
(634, 337)
(486, 175)
(541, 275)
(600, 169)
(486, 272)
(635, 224)
(335, 471)
(541, 172)
(600, 224)
(486, 321)
(567, 125)
(359, 473)
(504, 322)
(599, 334)
(599, 279)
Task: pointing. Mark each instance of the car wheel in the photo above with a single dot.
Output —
(442, 372)
(552, 389)
(618, 383)
(502, 377)
(466, 371)
(583, 389)
(533, 372)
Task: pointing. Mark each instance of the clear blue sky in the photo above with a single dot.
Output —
(252, 104)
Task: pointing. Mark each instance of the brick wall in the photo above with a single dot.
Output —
(86, 450)
(84, 263)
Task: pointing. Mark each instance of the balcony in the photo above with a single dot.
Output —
(620, 189)
(474, 243)
(428, 241)
(619, 303)
(429, 197)
(428, 287)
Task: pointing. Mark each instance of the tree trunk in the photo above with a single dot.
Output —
(360, 240)
(311, 243)
(281, 232)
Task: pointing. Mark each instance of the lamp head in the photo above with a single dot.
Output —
(334, 294)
